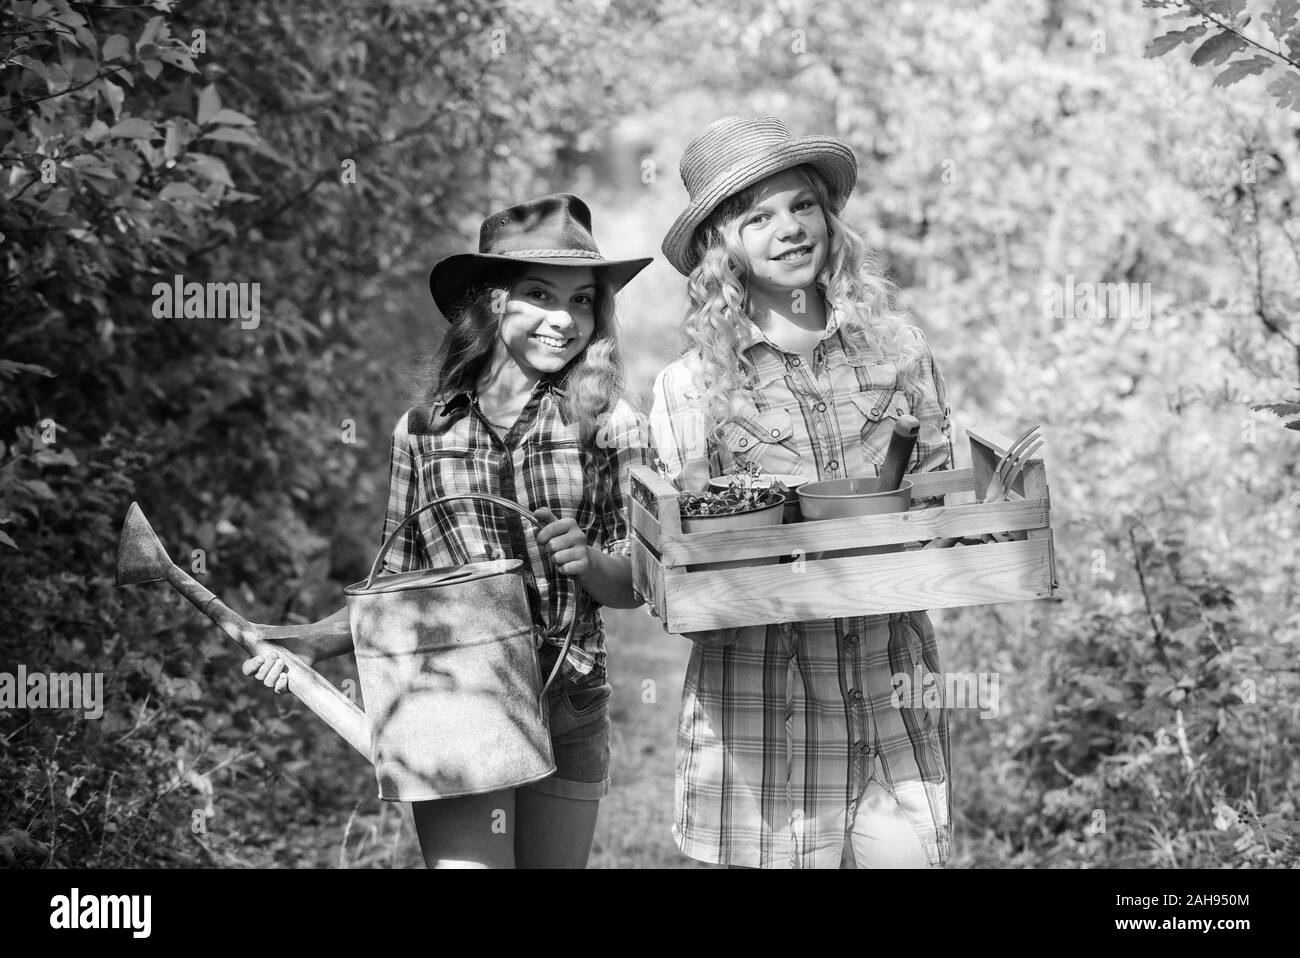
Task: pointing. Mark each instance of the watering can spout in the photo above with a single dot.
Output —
(140, 556)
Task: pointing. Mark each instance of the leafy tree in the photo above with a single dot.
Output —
(327, 156)
(1220, 29)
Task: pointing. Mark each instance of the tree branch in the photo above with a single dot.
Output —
(1156, 628)
(1292, 241)
(1223, 26)
(72, 89)
(320, 178)
(1260, 307)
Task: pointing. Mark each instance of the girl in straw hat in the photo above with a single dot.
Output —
(790, 753)
(525, 402)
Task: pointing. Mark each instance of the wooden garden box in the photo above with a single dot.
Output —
(797, 589)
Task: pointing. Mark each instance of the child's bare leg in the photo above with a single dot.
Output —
(476, 831)
(882, 835)
(553, 832)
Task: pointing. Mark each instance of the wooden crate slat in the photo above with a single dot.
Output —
(648, 579)
(859, 531)
(645, 525)
(941, 482)
(1033, 482)
(832, 588)
(660, 497)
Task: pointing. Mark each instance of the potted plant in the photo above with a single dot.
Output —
(734, 507)
(742, 504)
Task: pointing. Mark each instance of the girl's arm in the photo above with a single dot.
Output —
(934, 449)
(622, 443)
(605, 576)
(934, 446)
(678, 429)
(678, 437)
(604, 571)
(609, 580)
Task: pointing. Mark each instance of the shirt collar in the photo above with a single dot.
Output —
(457, 399)
(751, 335)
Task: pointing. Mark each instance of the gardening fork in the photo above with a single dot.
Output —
(1004, 477)
(1012, 464)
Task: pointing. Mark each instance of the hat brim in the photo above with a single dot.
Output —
(452, 278)
(832, 158)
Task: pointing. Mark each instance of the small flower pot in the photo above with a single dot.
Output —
(752, 519)
(844, 498)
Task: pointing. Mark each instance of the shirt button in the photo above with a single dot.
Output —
(899, 411)
(821, 407)
(833, 464)
(857, 695)
(794, 361)
(851, 638)
(744, 442)
(776, 433)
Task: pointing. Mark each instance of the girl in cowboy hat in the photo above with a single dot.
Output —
(524, 401)
(789, 750)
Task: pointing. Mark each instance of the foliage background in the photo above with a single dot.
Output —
(1147, 719)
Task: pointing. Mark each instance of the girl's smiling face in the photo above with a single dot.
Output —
(784, 234)
(549, 317)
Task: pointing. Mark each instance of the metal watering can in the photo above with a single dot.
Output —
(448, 665)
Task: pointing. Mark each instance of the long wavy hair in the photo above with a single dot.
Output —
(852, 282)
(593, 382)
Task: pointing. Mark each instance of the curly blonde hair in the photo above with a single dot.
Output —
(852, 282)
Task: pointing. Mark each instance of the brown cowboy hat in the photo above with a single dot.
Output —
(735, 152)
(551, 230)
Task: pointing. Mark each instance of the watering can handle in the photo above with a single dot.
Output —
(484, 497)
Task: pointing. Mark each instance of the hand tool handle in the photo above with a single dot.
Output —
(899, 453)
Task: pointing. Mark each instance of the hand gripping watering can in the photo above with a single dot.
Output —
(448, 665)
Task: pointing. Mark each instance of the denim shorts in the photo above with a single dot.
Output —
(579, 722)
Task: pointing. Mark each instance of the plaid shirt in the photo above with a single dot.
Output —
(830, 420)
(449, 449)
(780, 732)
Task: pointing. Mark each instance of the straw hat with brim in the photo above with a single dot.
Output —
(735, 152)
(549, 231)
